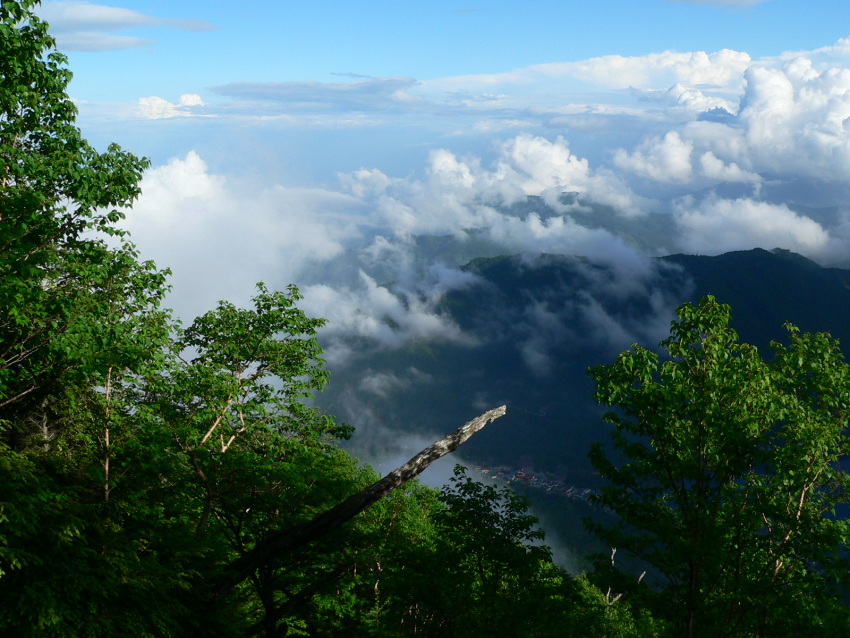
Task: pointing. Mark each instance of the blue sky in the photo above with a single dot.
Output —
(212, 42)
(124, 51)
(318, 142)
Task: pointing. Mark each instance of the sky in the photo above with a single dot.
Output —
(322, 143)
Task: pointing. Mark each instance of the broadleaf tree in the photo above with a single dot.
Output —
(59, 199)
(726, 473)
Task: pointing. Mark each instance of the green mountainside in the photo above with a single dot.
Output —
(767, 289)
(539, 323)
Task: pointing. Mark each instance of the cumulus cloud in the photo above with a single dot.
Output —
(836, 54)
(722, 68)
(795, 119)
(357, 248)
(675, 158)
(715, 225)
(85, 26)
(486, 211)
(666, 159)
(208, 228)
(549, 83)
(460, 192)
(157, 108)
(791, 122)
(714, 168)
(361, 252)
(693, 99)
(372, 316)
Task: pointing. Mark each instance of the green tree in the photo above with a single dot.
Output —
(123, 468)
(479, 568)
(77, 316)
(726, 476)
(59, 198)
(487, 534)
(140, 463)
(161, 478)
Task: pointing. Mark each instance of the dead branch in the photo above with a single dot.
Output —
(281, 542)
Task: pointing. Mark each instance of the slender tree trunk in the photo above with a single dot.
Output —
(106, 455)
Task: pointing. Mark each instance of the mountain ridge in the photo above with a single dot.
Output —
(539, 321)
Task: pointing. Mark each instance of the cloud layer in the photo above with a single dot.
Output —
(615, 159)
(612, 159)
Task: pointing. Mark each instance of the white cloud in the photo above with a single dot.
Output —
(213, 229)
(698, 155)
(715, 225)
(371, 316)
(542, 168)
(558, 235)
(191, 99)
(791, 124)
(666, 159)
(551, 83)
(530, 166)
(505, 101)
(462, 198)
(365, 182)
(157, 108)
(716, 169)
(383, 384)
(696, 100)
(85, 26)
(342, 243)
(795, 119)
(836, 54)
(220, 237)
(656, 70)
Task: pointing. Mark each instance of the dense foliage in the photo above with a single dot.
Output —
(728, 472)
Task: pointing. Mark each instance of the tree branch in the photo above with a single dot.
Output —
(283, 541)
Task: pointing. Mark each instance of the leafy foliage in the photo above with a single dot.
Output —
(727, 473)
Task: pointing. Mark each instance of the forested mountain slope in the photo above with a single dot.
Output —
(538, 322)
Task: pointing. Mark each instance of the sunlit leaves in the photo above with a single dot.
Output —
(728, 468)
(56, 194)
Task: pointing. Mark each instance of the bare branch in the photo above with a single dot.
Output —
(217, 421)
